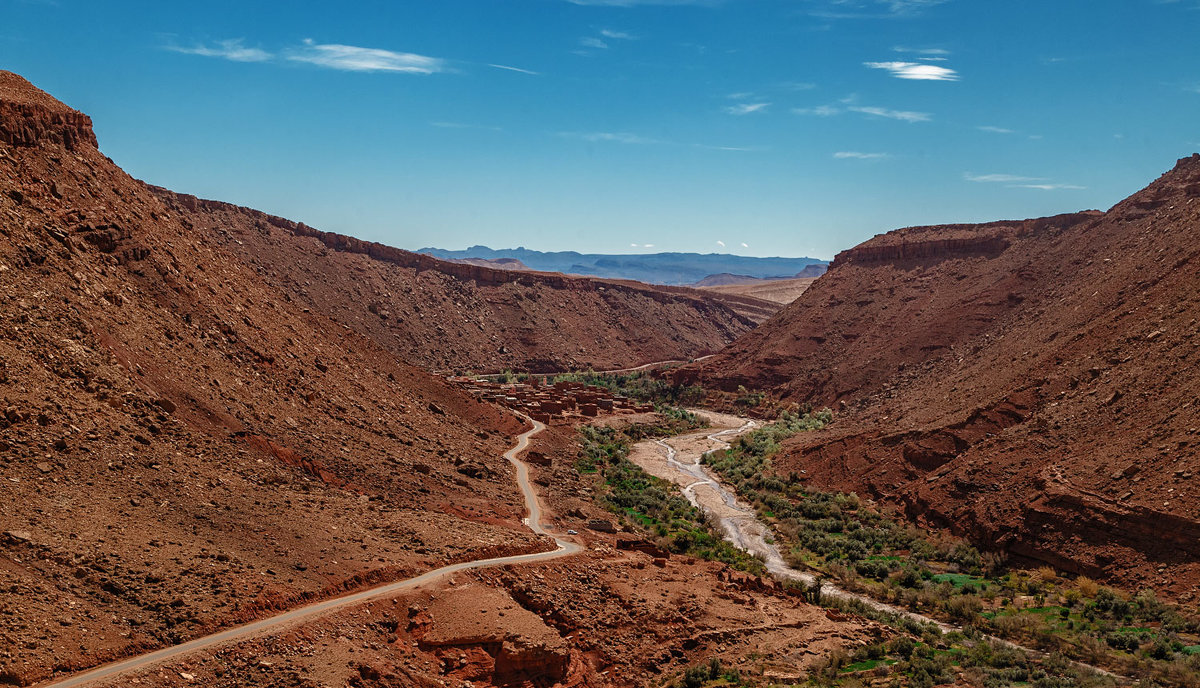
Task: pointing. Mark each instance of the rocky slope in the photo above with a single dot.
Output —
(1030, 384)
(607, 618)
(182, 444)
(781, 291)
(458, 316)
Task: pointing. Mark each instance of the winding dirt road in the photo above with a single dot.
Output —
(279, 621)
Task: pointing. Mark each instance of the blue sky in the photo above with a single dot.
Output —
(760, 127)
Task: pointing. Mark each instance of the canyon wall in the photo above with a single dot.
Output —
(1026, 383)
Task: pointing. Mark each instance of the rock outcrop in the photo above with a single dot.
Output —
(29, 117)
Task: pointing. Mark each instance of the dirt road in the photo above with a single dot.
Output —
(279, 621)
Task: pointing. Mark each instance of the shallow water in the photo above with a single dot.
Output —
(738, 521)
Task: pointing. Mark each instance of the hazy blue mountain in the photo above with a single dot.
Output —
(655, 268)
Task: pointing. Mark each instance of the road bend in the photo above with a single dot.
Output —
(317, 609)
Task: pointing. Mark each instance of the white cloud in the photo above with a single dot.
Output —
(855, 155)
(352, 58)
(634, 3)
(746, 108)
(720, 243)
(745, 245)
(608, 137)
(461, 125)
(625, 137)
(927, 52)
(1048, 187)
(737, 149)
(916, 70)
(996, 130)
(999, 178)
(647, 245)
(902, 115)
(514, 69)
(740, 95)
(616, 35)
(847, 104)
(592, 42)
(231, 49)
(1014, 181)
(819, 111)
(870, 9)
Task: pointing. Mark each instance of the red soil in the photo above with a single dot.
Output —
(1029, 384)
(461, 317)
(182, 445)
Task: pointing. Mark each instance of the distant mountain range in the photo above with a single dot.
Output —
(653, 268)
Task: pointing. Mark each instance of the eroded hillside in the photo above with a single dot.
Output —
(181, 444)
(1030, 384)
(461, 317)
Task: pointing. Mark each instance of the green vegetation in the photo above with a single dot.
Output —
(746, 399)
(641, 386)
(651, 504)
(874, 552)
(709, 674)
(900, 661)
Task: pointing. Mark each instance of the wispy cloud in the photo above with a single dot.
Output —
(634, 3)
(720, 243)
(353, 58)
(628, 138)
(902, 115)
(999, 178)
(855, 155)
(918, 71)
(593, 42)
(746, 108)
(797, 86)
(996, 130)
(734, 149)
(601, 41)
(1048, 187)
(462, 125)
(233, 49)
(925, 52)
(514, 69)
(609, 137)
(745, 245)
(819, 111)
(849, 104)
(870, 9)
(1014, 181)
